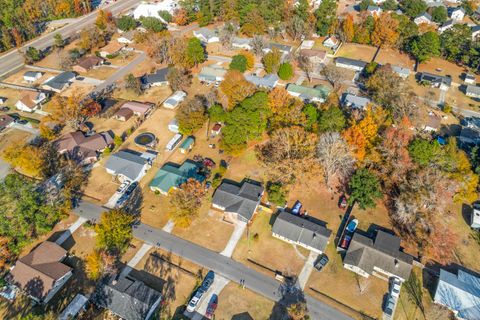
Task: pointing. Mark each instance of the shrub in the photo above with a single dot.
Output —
(276, 193)
(239, 62)
(285, 71)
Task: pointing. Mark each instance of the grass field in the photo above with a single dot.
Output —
(357, 51)
(395, 58)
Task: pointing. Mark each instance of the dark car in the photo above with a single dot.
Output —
(21, 121)
(321, 262)
(212, 306)
(207, 282)
(4, 109)
(127, 194)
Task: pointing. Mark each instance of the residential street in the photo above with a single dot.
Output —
(220, 264)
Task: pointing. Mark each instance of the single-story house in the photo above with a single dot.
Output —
(469, 136)
(171, 176)
(3, 100)
(5, 121)
(307, 44)
(433, 122)
(269, 81)
(456, 13)
(187, 145)
(212, 73)
(123, 114)
(242, 43)
(111, 49)
(30, 101)
(41, 273)
(316, 94)
(315, 56)
(146, 9)
(423, 18)
(470, 78)
(283, 48)
(472, 91)
(216, 129)
(460, 293)
(352, 64)
(301, 231)
(354, 101)
(475, 32)
(445, 26)
(60, 82)
(436, 81)
(331, 42)
(129, 165)
(173, 125)
(128, 298)
(401, 71)
(206, 35)
(81, 148)
(156, 79)
(381, 257)
(174, 100)
(239, 202)
(374, 10)
(87, 63)
(32, 76)
(126, 37)
(139, 109)
(475, 217)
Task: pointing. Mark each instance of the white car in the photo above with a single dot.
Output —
(123, 187)
(395, 289)
(192, 305)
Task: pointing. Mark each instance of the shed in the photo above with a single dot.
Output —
(173, 126)
(32, 76)
(187, 144)
(217, 127)
(123, 114)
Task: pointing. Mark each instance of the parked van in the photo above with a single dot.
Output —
(174, 142)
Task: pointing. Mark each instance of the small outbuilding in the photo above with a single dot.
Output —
(187, 145)
(123, 114)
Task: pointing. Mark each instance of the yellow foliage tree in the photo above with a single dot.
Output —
(348, 28)
(94, 265)
(250, 59)
(385, 32)
(27, 159)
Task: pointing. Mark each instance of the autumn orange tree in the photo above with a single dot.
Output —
(348, 28)
(285, 109)
(185, 202)
(361, 135)
(234, 89)
(68, 110)
(385, 32)
(27, 158)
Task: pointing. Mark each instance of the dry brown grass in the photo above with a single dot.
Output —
(12, 96)
(11, 137)
(154, 95)
(234, 300)
(100, 73)
(17, 78)
(111, 124)
(357, 51)
(444, 68)
(394, 57)
(101, 185)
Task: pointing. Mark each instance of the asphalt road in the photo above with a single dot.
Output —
(220, 264)
(14, 59)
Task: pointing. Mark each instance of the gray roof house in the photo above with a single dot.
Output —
(206, 35)
(242, 43)
(269, 81)
(158, 78)
(212, 73)
(60, 82)
(239, 201)
(472, 91)
(401, 71)
(301, 231)
(354, 101)
(460, 293)
(283, 48)
(435, 80)
(469, 136)
(129, 165)
(352, 64)
(381, 257)
(128, 298)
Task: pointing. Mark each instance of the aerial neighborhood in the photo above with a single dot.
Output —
(240, 159)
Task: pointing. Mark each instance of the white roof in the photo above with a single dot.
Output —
(307, 44)
(151, 9)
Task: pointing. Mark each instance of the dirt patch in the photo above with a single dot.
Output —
(395, 58)
(249, 306)
(11, 137)
(78, 88)
(100, 73)
(154, 95)
(357, 51)
(112, 124)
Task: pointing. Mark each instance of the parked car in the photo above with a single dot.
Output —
(395, 288)
(192, 305)
(207, 282)
(389, 306)
(212, 306)
(321, 262)
(296, 208)
(123, 187)
(4, 109)
(342, 202)
(127, 194)
(345, 242)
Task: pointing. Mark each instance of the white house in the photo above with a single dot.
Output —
(206, 35)
(423, 18)
(146, 9)
(469, 78)
(331, 42)
(374, 10)
(475, 32)
(242, 43)
(401, 71)
(473, 91)
(352, 64)
(30, 101)
(32, 76)
(174, 100)
(457, 13)
(126, 37)
(445, 26)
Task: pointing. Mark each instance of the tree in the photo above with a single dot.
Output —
(216, 113)
(439, 14)
(385, 32)
(365, 4)
(133, 83)
(114, 231)
(332, 119)
(390, 5)
(94, 265)
(298, 311)
(58, 41)
(126, 23)
(180, 17)
(365, 189)
(271, 61)
(26, 158)
(305, 64)
(195, 53)
(179, 78)
(246, 122)
(336, 76)
(456, 43)
(226, 35)
(91, 108)
(250, 59)
(286, 111)
(85, 41)
(425, 152)
(68, 110)
(348, 28)
(234, 89)
(276, 193)
(191, 115)
(424, 46)
(285, 71)
(334, 156)
(152, 24)
(258, 44)
(165, 15)
(32, 55)
(289, 154)
(312, 115)
(239, 62)
(413, 8)
(103, 19)
(185, 202)
(326, 16)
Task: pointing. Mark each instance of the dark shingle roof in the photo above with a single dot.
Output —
(352, 62)
(434, 78)
(242, 200)
(301, 230)
(59, 81)
(159, 76)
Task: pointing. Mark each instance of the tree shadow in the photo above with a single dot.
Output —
(291, 294)
(467, 211)
(242, 316)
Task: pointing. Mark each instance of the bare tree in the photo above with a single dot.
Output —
(334, 156)
(226, 35)
(305, 64)
(258, 44)
(179, 78)
(336, 76)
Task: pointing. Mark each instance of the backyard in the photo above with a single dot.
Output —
(357, 51)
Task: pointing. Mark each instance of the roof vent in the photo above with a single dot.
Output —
(314, 235)
(395, 261)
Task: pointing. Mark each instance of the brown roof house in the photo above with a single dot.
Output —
(41, 273)
(5, 121)
(380, 257)
(316, 57)
(87, 63)
(130, 108)
(110, 49)
(30, 101)
(81, 148)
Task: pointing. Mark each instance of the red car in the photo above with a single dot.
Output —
(212, 306)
